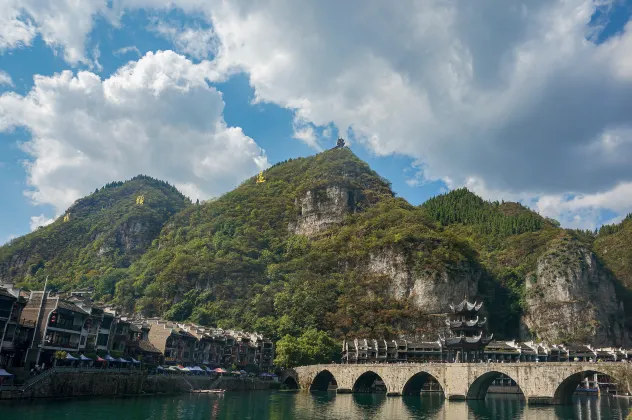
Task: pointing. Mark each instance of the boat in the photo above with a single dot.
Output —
(208, 391)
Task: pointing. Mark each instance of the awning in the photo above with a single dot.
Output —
(135, 361)
(5, 374)
(82, 357)
(70, 357)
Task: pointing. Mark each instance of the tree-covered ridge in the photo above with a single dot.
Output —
(503, 219)
(614, 246)
(102, 232)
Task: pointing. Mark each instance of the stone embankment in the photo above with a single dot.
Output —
(60, 383)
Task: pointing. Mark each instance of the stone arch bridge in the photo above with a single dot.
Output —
(541, 383)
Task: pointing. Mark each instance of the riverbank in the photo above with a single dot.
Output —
(110, 383)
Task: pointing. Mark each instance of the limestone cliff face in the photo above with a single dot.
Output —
(572, 297)
(431, 291)
(322, 208)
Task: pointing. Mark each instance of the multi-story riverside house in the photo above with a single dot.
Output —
(12, 343)
(174, 342)
(58, 325)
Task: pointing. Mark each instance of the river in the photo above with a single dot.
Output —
(303, 405)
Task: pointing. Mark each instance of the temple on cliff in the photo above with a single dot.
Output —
(466, 339)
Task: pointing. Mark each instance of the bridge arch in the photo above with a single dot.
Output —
(322, 380)
(416, 383)
(290, 382)
(564, 391)
(369, 382)
(478, 389)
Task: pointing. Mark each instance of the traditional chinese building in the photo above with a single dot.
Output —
(466, 339)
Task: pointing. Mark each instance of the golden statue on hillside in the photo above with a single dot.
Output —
(140, 200)
(66, 217)
(260, 178)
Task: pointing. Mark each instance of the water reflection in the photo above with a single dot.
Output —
(319, 406)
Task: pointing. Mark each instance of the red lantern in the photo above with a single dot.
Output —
(53, 318)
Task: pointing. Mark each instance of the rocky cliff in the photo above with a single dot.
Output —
(323, 208)
(571, 297)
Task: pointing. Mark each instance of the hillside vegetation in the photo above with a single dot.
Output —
(382, 269)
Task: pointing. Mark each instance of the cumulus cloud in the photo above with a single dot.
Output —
(5, 79)
(62, 24)
(157, 116)
(515, 96)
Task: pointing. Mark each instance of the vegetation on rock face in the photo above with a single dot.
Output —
(614, 246)
(235, 262)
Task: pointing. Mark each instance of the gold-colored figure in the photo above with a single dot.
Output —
(260, 178)
(66, 217)
(140, 200)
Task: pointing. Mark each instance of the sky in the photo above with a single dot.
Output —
(518, 101)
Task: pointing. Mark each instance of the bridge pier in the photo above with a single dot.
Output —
(393, 394)
(343, 391)
(456, 397)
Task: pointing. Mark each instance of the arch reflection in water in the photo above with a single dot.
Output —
(324, 381)
(422, 382)
(369, 383)
(478, 389)
(498, 406)
(426, 405)
(564, 392)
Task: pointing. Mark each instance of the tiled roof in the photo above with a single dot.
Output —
(147, 347)
(70, 307)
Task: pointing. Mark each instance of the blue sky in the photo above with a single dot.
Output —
(516, 103)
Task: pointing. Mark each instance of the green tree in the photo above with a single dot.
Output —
(312, 347)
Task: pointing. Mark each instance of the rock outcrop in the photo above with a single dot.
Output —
(320, 209)
(431, 291)
(572, 298)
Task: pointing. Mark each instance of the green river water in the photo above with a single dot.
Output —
(302, 405)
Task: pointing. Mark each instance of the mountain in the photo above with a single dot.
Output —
(96, 240)
(324, 243)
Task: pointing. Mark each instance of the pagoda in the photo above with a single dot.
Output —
(466, 340)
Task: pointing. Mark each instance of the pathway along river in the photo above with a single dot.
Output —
(303, 405)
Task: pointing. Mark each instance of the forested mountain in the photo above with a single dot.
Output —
(96, 240)
(324, 244)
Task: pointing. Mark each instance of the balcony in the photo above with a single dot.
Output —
(66, 327)
(58, 345)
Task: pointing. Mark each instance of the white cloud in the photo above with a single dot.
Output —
(126, 50)
(5, 79)
(513, 95)
(41, 220)
(62, 24)
(196, 42)
(157, 116)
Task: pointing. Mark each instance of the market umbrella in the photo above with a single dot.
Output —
(100, 359)
(5, 374)
(135, 361)
(84, 358)
(70, 357)
(120, 359)
(110, 358)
